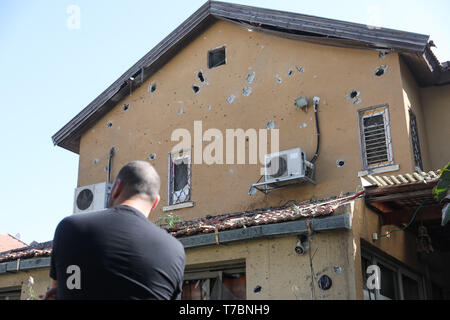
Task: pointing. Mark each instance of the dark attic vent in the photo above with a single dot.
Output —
(216, 57)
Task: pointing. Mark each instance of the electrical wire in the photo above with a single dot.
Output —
(410, 222)
(316, 155)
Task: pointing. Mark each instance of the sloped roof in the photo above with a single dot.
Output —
(284, 24)
(8, 242)
(42, 249)
(209, 224)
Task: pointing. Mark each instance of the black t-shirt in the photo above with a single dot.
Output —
(116, 254)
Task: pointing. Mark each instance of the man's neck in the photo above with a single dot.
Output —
(138, 205)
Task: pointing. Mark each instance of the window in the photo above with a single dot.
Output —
(415, 141)
(396, 282)
(179, 178)
(226, 283)
(216, 57)
(11, 293)
(375, 137)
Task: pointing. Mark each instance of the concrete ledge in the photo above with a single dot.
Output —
(178, 206)
(394, 167)
(19, 265)
(268, 230)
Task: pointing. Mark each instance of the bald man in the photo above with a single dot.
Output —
(118, 253)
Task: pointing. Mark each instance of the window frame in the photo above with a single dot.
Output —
(370, 112)
(415, 141)
(174, 157)
(214, 272)
(399, 272)
(212, 51)
(7, 292)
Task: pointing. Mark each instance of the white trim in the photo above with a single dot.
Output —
(394, 167)
(187, 204)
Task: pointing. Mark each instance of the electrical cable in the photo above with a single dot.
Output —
(410, 222)
(316, 155)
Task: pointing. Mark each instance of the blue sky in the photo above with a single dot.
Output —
(50, 72)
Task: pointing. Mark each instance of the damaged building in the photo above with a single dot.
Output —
(362, 115)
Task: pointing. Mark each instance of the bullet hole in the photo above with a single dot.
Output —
(279, 80)
(337, 270)
(126, 107)
(270, 125)
(383, 54)
(300, 69)
(380, 71)
(325, 282)
(196, 89)
(109, 124)
(200, 76)
(209, 108)
(250, 77)
(230, 99)
(303, 125)
(290, 73)
(340, 163)
(257, 289)
(152, 87)
(354, 94)
(357, 101)
(96, 161)
(180, 111)
(230, 171)
(246, 91)
(152, 156)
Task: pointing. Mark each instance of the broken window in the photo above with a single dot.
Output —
(179, 178)
(395, 281)
(226, 283)
(415, 141)
(216, 57)
(375, 137)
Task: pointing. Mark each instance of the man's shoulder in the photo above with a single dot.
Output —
(82, 218)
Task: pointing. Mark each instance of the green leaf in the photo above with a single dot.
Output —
(443, 185)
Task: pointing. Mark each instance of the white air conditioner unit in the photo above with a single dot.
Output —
(284, 166)
(91, 198)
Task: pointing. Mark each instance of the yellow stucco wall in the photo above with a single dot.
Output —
(21, 279)
(436, 102)
(329, 72)
(412, 100)
(283, 274)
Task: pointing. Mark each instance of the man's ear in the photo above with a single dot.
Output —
(117, 189)
(155, 203)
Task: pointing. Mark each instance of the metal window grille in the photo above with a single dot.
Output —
(375, 137)
(179, 178)
(415, 141)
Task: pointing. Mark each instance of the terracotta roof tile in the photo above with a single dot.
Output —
(308, 209)
(42, 249)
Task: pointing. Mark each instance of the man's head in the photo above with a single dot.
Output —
(137, 184)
